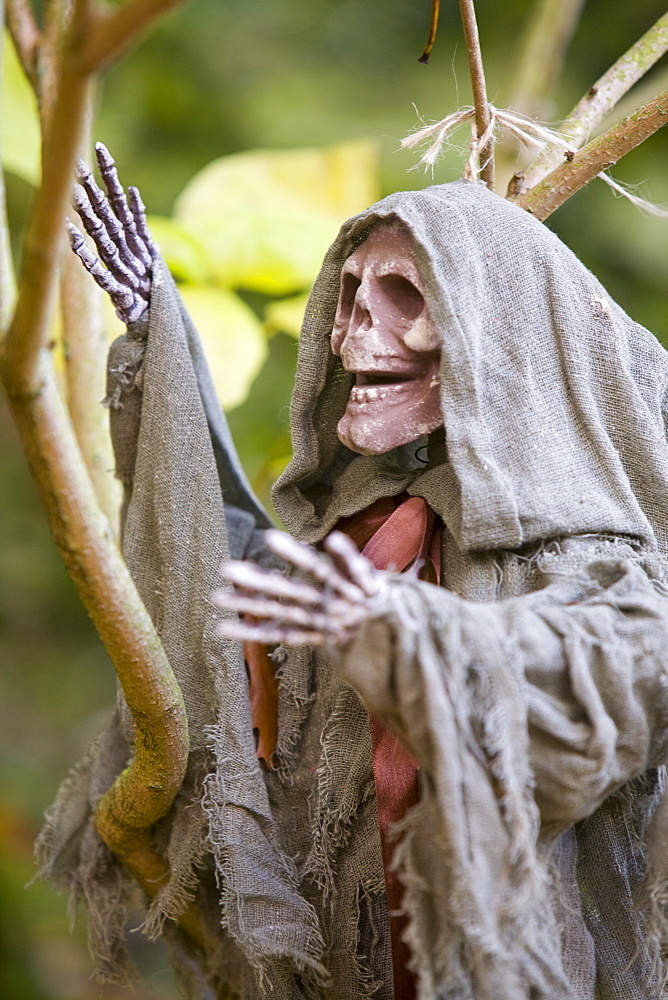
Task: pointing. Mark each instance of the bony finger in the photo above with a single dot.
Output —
(270, 635)
(106, 247)
(355, 566)
(307, 559)
(270, 612)
(271, 582)
(121, 296)
(138, 209)
(118, 199)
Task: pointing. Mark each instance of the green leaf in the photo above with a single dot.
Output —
(285, 316)
(19, 130)
(266, 217)
(233, 339)
(184, 255)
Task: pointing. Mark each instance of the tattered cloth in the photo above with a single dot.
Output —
(531, 685)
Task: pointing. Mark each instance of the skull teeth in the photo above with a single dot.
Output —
(369, 393)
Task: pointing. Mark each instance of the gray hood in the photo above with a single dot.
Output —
(551, 394)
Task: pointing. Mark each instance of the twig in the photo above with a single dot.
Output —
(25, 35)
(433, 28)
(595, 157)
(111, 33)
(542, 54)
(482, 113)
(603, 95)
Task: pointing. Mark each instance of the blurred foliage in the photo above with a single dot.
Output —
(253, 128)
(19, 127)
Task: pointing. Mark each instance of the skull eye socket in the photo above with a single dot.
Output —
(349, 286)
(404, 296)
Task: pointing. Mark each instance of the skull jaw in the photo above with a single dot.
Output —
(378, 425)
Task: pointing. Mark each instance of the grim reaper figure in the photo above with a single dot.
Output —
(464, 799)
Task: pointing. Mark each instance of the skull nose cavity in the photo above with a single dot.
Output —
(361, 320)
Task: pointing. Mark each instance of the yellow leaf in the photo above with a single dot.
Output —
(285, 316)
(184, 255)
(233, 339)
(266, 217)
(19, 131)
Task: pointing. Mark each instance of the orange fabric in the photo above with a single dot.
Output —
(263, 696)
(404, 535)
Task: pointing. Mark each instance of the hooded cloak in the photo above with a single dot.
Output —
(531, 685)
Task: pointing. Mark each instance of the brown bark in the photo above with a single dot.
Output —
(597, 156)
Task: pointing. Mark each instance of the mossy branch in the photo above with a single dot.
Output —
(146, 789)
(601, 98)
(596, 156)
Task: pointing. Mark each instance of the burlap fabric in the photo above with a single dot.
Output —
(532, 685)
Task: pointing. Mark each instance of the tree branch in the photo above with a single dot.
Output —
(111, 34)
(601, 98)
(25, 35)
(482, 113)
(146, 789)
(598, 155)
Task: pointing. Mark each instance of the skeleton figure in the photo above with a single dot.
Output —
(470, 410)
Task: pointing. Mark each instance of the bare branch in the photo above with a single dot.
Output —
(542, 54)
(110, 34)
(595, 157)
(25, 35)
(482, 113)
(601, 98)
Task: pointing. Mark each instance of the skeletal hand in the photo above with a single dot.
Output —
(289, 611)
(120, 234)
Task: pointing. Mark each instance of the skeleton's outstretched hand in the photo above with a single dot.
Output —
(278, 609)
(117, 226)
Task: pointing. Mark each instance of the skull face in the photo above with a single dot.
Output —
(384, 335)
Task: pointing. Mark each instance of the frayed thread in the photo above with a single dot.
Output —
(530, 133)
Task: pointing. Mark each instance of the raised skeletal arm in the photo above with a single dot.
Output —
(117, 225)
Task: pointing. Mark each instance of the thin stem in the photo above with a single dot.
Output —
(111, 34)
(482, 113)
(25, 35)
(595, 157)
(601, 98)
